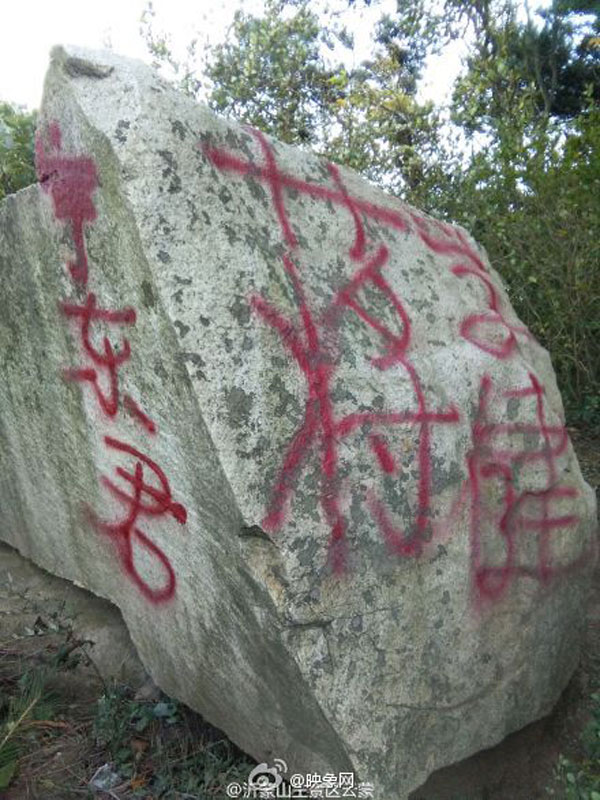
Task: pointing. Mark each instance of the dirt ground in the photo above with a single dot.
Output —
(63, 751)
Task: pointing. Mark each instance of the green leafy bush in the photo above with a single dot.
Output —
(581, 780)
(17, 132)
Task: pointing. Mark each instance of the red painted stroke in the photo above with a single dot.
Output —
(108, 360)
(124, 532)
(386, 460)
(358, 250)
(523, 512)
(71, 182)
(493, 317)
(275, 179)
(450, 241)
(139, 414)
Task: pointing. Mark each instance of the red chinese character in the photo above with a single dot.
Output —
(313, 346)
(71, 182)
(472, 328)
(159, 503)
(108, 360)
(519, 531)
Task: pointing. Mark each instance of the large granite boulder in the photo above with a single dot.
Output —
(292, 428)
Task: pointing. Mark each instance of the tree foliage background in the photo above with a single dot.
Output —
(17, 130)
(514, 156)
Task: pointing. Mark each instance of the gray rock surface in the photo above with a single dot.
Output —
(30, 597)
(292, 428)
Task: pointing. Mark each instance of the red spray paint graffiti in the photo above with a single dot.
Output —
(311, 343)
(313, 346)
(439, 237)
(71, 182)
(125, 532)
(139, 415)
(108, 360)
(514, 537)
(492, 319)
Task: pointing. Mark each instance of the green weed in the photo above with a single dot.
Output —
(163, 748)
(581, 779)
